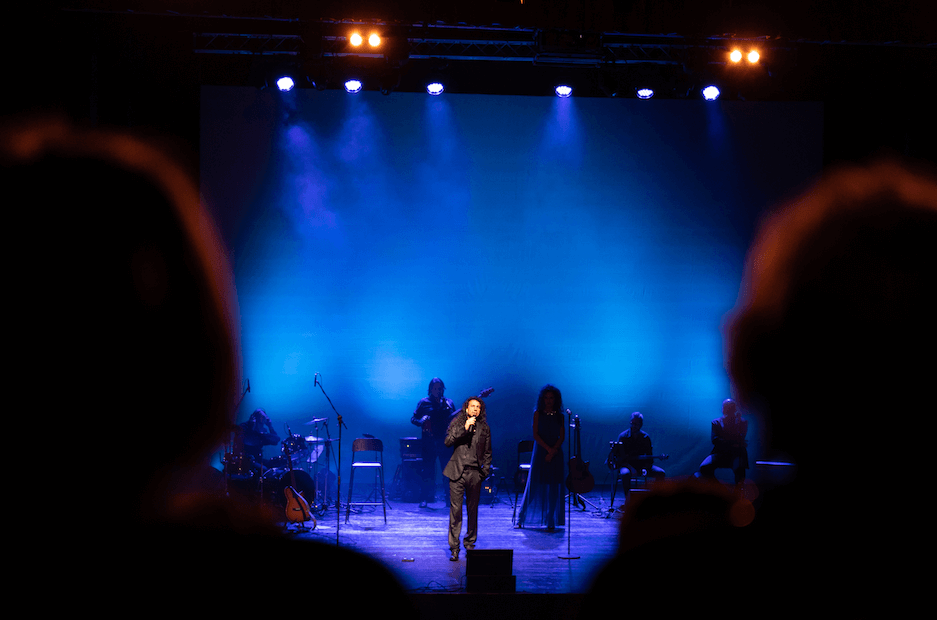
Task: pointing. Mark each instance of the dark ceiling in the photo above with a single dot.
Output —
(908, 21)
(141, 62)
(811, 49)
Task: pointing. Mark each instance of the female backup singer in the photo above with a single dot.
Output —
(545, 478)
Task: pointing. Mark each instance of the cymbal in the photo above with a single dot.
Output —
(314, 439)
(315, 421)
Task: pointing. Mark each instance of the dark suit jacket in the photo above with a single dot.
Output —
(728, 439)
(457, 437)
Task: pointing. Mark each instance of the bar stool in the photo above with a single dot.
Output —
(376, 464)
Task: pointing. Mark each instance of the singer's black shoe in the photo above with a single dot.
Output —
(454, 556)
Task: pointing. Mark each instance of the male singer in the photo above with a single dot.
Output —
(469, 435)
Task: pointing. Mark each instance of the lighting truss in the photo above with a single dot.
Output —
(248, 44)
(463, 42)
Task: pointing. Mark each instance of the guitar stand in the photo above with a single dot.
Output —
(579, 500)
(301, 528)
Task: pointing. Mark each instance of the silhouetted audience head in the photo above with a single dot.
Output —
(835, 325)
(126, 304)
(831, 347)
(127, 348)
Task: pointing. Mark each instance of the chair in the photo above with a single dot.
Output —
(376, 464)
(638, 481)
(522, 471)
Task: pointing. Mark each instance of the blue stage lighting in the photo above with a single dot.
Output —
(285, 83)
(564, 91)
(435, 88)
(645, 93)
(710, 93)
(353, 86)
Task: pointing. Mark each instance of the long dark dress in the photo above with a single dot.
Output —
(541, 505)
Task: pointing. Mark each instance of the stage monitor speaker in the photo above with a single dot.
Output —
(490, 570)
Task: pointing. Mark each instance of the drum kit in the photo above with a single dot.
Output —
(301, 467)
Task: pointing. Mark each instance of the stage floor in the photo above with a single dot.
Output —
(413, 544)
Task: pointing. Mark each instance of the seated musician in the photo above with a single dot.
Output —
(251, 436)
(730, 448)
(631, 454)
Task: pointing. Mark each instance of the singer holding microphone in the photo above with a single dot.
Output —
(470, 436)
(433, 415)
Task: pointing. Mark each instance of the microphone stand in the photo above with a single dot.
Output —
(569, 498)
(338, 473)
(229, 444)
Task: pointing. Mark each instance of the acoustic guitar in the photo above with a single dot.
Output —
(297, 508)
(579, 479)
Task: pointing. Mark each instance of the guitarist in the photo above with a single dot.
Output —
(631, 444)
(433, 415)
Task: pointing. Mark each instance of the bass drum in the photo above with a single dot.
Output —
(239, 465)
(275, 482)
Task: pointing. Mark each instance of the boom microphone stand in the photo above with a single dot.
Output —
(338, 473)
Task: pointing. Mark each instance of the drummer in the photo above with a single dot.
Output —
(251, 436)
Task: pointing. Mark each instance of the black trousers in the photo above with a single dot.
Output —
(469, 486)
(707, 469)
(627, 472)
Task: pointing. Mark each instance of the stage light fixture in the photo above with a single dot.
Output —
(736, 56)
(645, 93)
(564, 91)
(435, 88)
(710, 93)
(374, 40)
(355, 39)
(285, 83)
(753, 56)
(353, 86)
